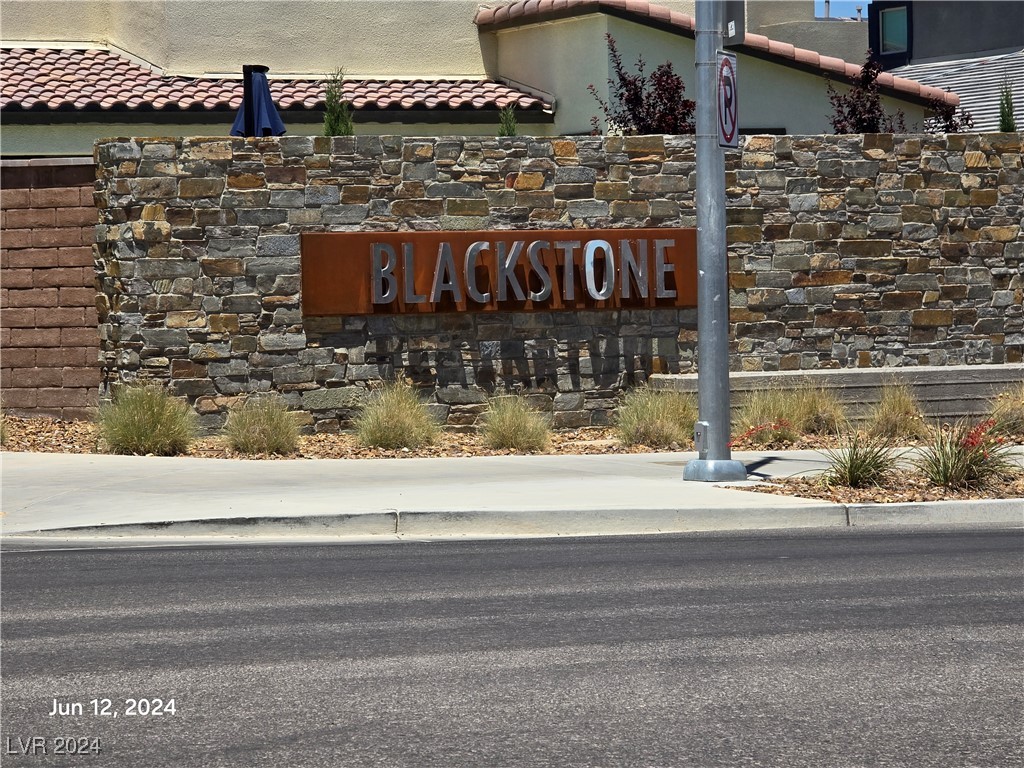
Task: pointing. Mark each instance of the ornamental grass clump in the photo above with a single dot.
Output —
(512, 425)
(765, 417)
(654, 418)
(144, 419)
(897, 415)
(262, 425)
(819, 411)
(395, 418)
(965, 456)
(775, 416)
(860, 462)
(1008, 411)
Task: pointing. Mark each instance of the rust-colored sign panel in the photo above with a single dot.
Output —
(368, 273)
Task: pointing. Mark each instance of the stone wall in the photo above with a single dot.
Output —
(48, 365)
(845, 251)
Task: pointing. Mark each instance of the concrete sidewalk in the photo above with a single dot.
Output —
(98, 495)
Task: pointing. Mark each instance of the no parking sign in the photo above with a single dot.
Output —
(728, 104)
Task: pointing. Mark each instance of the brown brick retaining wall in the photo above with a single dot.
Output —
(49, 344)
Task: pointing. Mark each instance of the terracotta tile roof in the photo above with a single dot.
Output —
(520, 12)
(50, 79)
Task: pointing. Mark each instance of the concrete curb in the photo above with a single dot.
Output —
(585, 522)
(983, 511)
(573, 522)
(578, 522)
(367, 524)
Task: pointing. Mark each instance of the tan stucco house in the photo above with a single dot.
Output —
(76, 71)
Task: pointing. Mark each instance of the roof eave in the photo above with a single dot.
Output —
(15, 115)
(758, 46)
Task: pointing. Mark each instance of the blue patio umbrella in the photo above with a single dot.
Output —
(257, 116)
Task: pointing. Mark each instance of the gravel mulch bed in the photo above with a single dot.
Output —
(41, 435)
(905, 487)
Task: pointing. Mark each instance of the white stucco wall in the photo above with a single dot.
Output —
(762, 12)
(389, 38)
(397, 38)
(76, 140)
(565, 57)
(88, 20)
(846, 40)
(560, 58)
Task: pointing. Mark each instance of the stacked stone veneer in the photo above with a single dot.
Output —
(48, 340)
(845, 251)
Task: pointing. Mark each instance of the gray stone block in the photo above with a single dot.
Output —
(588, 209)
(230, 368)
(245, 198)
(438, 411)
(322, 194)
(272, 265)
(460, 395)
(241, 304)
(456, 189)
(803, 202)
(208, 352)
(336, 398)
(296, 374)
(165, 269)
(266, 360)
(296, 146)
(570, 419)
(262, 217)
(287, 198)
(165, 337)
(801, 186)
(277, 245)
(370, 372)
(231, 247)
(919, 232)
(569, 401)
(419, 171)
(463, 223)
(345, 214)
(281, 342)
(575, 175)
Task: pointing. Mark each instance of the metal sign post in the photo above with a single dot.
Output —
(711, 433)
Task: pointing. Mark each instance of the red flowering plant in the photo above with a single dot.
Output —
(966, 456)
(777, 432)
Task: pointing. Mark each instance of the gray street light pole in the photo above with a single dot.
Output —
(711, 433)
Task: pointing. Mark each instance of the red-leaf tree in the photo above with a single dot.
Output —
(860, 110)
(639, 104)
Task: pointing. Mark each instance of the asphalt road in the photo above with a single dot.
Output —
(818, 649)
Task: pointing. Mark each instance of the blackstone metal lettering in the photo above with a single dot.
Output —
(353, 273)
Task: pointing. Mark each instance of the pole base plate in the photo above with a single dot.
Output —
(714, 471)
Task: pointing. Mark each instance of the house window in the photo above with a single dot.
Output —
(894, 30)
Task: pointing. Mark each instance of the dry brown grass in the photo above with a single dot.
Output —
(776, 416)
(395, 418)
(656, 418)
(144, 419)
(1008, 411)
(897, 414)
(262, 425)
(511, 424)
